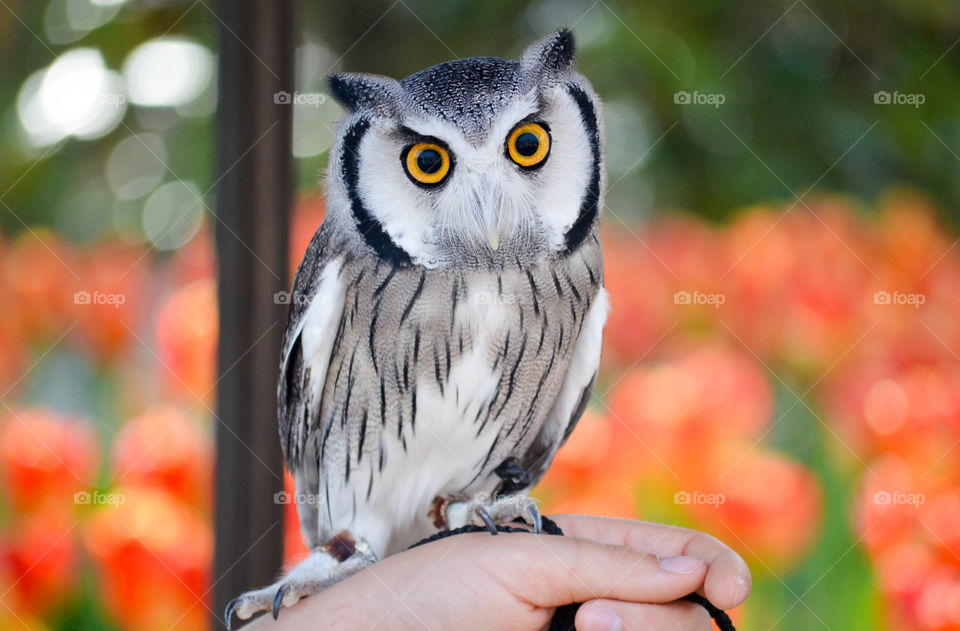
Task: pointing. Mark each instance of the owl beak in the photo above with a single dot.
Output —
(493, 238)
(487, 207)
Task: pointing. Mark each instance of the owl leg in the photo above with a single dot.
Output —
(487, 512)
(341, 557)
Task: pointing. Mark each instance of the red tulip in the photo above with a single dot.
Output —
(40, 272)
(671, 412)
(187, 330)
(41, 550)
(45, 455)
(152, 557)
(761, 503)
(107, 297)
(588, 474)
(164, 447)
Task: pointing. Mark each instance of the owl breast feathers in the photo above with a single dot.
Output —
(447, 316)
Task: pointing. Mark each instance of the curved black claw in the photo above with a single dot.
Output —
(278, 600)
(534, 511)
(487, 519)
(228, 612)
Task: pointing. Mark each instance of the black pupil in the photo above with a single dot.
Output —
(429, 161)
(527, 144)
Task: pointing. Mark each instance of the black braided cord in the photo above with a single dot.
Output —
(563, 617)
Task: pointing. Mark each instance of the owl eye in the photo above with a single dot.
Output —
(528, 145)
(426, 163)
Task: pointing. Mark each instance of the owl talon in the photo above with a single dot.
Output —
(532, 515)
(228, 612)
(278, 599)
(504, 509)
(324, 567)
(487, 519)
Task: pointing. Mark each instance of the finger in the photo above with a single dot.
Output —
(614, 615)
(728, 578)
(554, 571)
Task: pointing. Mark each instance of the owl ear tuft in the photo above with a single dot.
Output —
(549, 57)
(365, 91)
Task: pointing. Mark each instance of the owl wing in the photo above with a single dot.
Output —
(316, 308)
(574, 394)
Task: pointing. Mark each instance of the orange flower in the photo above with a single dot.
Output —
(671, 412)
(795, 281)
(640, 309)
(586, 476)
(40, 273)
(759, 502)
(45, 455)
(107, 297)
(152, 556)
(187, 330)
(41, 551)
(165, 448)
(912, 410)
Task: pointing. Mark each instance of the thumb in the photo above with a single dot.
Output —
(562, 570)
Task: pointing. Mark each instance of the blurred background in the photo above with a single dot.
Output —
(781, 363)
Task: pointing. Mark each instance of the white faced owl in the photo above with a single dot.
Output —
(445, 323)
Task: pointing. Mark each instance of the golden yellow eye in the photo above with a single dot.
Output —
(528, 145)
(427, 163)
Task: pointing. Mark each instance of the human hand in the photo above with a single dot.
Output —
(628, 574)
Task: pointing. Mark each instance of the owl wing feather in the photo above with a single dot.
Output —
(316, 308)
(574, 394)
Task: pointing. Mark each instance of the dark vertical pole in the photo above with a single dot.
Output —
(253, 200)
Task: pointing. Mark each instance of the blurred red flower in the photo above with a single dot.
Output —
(107, 297)
(152, 556)
(585, 476)
(767, 507)
(40, 551)
(187, 328)
(40, 272)
(679, 408)
(45, 455)
(165, 448)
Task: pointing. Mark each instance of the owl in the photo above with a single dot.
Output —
(445, 324)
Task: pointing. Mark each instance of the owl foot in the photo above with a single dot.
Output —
(503, 509)
(329, 564)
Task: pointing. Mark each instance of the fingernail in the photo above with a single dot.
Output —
(602, 619)
(680, 565)
(742, 589)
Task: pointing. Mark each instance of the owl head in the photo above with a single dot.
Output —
(474, 162)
